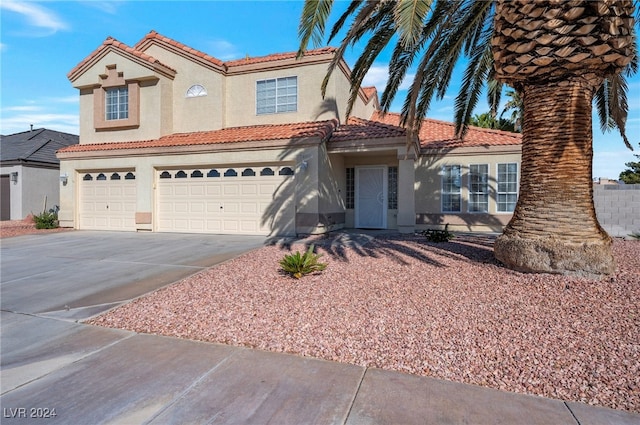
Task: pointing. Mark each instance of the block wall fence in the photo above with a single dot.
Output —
(618, 208)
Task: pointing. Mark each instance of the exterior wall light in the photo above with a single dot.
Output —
(14, 177)
(64, 178)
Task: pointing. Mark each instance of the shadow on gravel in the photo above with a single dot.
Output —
(475, 248)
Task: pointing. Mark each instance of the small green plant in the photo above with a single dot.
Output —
(298, 265)
(635, 235)
(46, 220)
(438, 236)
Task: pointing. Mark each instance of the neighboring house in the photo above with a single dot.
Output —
(30, 171)
(175, 140)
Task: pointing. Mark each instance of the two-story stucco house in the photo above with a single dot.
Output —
(175, 140)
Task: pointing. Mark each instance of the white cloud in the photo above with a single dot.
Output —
(67, 123)
(609, 164)
(223, 50)
(378, 75)
(110, 7)
(36, 15)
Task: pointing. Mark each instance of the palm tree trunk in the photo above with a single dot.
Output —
(554, 228)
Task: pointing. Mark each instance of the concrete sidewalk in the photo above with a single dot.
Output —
(92, 375)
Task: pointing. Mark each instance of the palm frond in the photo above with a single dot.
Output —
(494, 93)
(312, 23)
(367, 20)
(353, 6)
(376, 44)
(472, 84)
(409, 17)
(403, 56)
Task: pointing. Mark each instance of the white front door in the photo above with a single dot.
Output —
(371, 197)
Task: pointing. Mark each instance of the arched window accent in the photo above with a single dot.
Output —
(267, 172)
(286, 171)
(248, 172)
(165, 175)
(101, 177)
(131, 176)
(181, 175)
(87, 177)
(196, 90)
(196, 173)
(231, 173)
(213, 173)
(115, 176)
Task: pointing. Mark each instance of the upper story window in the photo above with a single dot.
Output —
(196, 90)
(277, 95)
(117, 103)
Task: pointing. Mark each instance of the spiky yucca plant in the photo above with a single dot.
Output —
(298, 265)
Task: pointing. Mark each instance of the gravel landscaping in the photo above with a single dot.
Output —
(12, 228)
(446, 310)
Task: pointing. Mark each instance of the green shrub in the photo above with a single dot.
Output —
(46, 220)
(635, 235)
(298, 265)
(438, 236)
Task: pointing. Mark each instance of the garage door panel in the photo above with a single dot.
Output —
(107, 204)
(219, 203)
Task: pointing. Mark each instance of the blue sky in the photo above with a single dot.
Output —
(40, 42)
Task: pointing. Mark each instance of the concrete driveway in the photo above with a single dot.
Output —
(76, 275)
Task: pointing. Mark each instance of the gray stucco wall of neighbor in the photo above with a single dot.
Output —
(618, 208)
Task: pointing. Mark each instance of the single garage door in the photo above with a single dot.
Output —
(253, 200)
(108, 201)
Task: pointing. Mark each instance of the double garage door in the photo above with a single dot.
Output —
(255, 200)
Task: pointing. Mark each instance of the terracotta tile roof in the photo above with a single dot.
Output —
(139, 48)
(358, 129)
(295, 131)
(111, 42)
(436, 134)
(154, 35)
(369, 92)
(277, 57)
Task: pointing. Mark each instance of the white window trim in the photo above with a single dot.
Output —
(196, 90)
(470, 192)
(517, 192)
(117, 104)
(442, 192)
(276, 104)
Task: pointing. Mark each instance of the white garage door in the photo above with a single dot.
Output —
(255, 200)
(108, 201)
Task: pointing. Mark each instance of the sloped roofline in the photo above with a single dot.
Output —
(113, 45)
(243, 65)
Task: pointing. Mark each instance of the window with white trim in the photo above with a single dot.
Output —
(196, 90)
(451, 185)
(277, 95)
(479, 188)
(117, 103)
(507, 193)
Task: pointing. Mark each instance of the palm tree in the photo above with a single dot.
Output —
(515, 106)
(557, 54)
